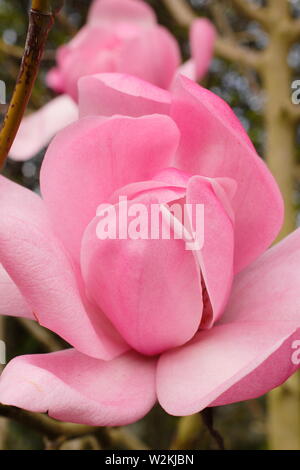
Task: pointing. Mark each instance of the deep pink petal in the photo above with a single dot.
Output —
(12, 303)
(216, 256)
(117, 11)
(37, 130)
(254, 348)
(92, 158)
(37, 263)
(214, 144)
(202, 38)
(76, 388)
(149, 288)
(110, 94)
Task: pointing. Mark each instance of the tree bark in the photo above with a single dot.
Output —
(279, 127)
(284, 402)
(41, 19)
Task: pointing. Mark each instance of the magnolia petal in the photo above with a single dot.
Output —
(92, 158)
(37, 129)
(214, 144)
(148, 287)
(12, 303)
(110, 12)
(40, 268)
(110, 94)
(76, 388)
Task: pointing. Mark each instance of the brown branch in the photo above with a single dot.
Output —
(125, 439)
(42, 335)
(221, 20)
(58, 432)
(41, 19)
(11, 49)
(251, 11)
(279, 9)
(81, 443)
(291, 29)
(225, 48)
(292, 111)
(181, 12)
(17, 52)
(66, 24)
(48, 427)
(188, 431)
(297, 172)
(208, 420)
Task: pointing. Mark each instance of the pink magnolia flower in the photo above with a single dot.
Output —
(149, 320)
(120, 36)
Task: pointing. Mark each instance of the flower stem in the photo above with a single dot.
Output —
(41, 19)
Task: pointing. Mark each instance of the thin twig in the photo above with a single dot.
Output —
(122, 437)
(41, 19)
(181, 12)
(56, 432)
(48, 427)
(251, 11)
(225, 48)
(42, 335)
(208, 419)
(187, 432)
(17, 51)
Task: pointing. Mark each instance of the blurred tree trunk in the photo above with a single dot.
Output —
(280, 129)
(284, 402)
(284, 416)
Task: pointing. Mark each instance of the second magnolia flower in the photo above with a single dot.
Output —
(120, 36)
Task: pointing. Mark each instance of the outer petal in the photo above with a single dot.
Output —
(202, 38)
(274, 371)
(12, 302)
(110, 94)
(252, 350)
(216, 256)
(192, 377)
(110, 12)
(88, 161)
(36, 262)
(214, 144)
(37, 130)
(149, 288)
(76, 388)
(153, 56)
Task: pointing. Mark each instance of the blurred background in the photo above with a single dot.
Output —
(269, 422)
